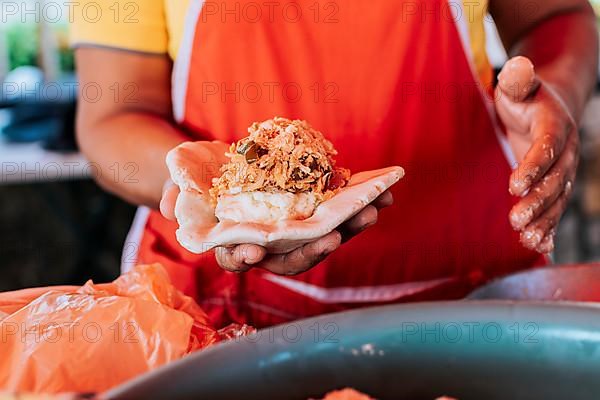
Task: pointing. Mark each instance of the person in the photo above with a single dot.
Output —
(489, 169)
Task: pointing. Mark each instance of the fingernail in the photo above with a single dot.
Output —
(521, 219)
(532, 238)
(522, 184)
(568, 188)
(524, 178)
(547, 245)
(329, 248)
(251, 256)
(368, 225)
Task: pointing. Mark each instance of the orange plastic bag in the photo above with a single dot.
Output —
(91, 338)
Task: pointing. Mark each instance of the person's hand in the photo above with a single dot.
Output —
(168, 199)
(243, 257)
(198, 163)
(544, 138)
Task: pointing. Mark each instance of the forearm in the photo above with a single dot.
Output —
(564, 50)
(129, 150)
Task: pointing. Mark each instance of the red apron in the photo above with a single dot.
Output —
(388, 85)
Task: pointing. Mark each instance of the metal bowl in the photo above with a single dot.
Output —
(576, 282)
(468, 350)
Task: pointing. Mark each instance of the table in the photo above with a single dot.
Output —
(30, 162)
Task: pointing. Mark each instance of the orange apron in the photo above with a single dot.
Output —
(387, 87)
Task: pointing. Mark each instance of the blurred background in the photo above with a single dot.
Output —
(58, 227)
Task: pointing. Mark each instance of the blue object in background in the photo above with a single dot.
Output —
(38, 110)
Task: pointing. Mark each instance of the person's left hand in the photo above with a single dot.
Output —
(242, 257)
(544, 137)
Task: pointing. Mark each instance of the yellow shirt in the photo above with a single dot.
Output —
(156, 26)
(150, 26)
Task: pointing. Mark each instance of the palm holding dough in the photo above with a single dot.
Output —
(185, 199)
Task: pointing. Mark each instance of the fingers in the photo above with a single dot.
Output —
(538, 213)
(365, 218)
(544, 138)
(385, 199)
(539, 234)
(548, 145)
(240, 258)
(243, 257)
(168, 200)
(547, 245)
(517, 80)
(544, 193)
(303, 258)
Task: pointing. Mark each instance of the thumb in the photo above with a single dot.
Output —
(518, 80)
(167, 202)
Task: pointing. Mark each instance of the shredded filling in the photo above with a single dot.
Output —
(281, 155)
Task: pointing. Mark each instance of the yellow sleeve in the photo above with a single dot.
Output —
(176, 17)
(138, 25)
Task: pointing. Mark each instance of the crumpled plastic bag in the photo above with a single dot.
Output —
(94, 337)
